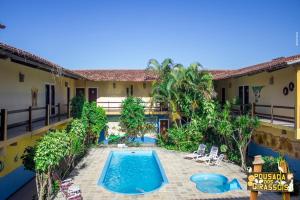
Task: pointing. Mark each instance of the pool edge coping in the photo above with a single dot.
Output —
(108, 160)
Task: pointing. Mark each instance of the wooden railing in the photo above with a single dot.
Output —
(270, 110)
(114, 106)
(4, 126)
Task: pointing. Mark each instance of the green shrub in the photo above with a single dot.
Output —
(50, 151)
(58, 150)
(271, 164)
(77, 128)
(77, 135)
(132, 118)
(223, 148)
(97, 118)
(94, 120)
(52, 148)
(187, 137)
(77, 106)
(116, 139)
(28, 158)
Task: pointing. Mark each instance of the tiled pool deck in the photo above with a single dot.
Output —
(177, 169)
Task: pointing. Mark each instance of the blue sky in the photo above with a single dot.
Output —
(220, 34)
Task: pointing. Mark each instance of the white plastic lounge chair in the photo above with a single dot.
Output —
(122, 146)
(216, 161)
(213, 155)
(199, 152)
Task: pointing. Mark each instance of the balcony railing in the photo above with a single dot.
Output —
(33, 119)
(275, 114)
(116, 106)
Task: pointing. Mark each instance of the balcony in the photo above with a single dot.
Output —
(115, 107)
(277, 115)
(37, 119)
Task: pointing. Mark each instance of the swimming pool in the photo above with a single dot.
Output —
(132, 172)
(215, 183)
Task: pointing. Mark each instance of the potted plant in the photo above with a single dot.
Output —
(223, 149)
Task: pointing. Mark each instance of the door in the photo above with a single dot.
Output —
(241, 97)
(163, 127)
(52, 100)
(223, 97)
(92, 94)
(246, 94)
(50, 97)
(47, 94)
(68, 95)
(244, 98)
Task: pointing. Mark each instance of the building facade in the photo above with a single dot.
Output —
(270, 91)
(27, 84)
(35, 97)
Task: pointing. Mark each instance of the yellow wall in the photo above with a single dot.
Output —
(280, 139)
(106, 92)
(270, 94)
(15, 147)
(17, 95)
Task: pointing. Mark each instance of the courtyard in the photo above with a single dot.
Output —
(178, 171)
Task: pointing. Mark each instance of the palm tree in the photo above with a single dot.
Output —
(183, 89)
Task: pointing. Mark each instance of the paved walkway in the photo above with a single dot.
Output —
(178, 172)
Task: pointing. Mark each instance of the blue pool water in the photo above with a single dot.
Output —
(132, 172)
(214, 183)
(142, 140)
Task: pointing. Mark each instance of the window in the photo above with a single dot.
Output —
(80, 91)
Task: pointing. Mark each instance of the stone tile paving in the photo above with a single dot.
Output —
(178, 172)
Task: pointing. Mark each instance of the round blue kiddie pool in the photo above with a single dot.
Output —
(214, 183)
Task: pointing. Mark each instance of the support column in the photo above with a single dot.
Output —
(257, 167)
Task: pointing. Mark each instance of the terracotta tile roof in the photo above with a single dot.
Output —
(217, 73)
(8, 51)
(116, 75)
(271, 65)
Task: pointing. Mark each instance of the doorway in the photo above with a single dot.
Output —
(92, 94)
(223, 96)
(163, 127)
(244, 97)
(68, 95)
(50, 97)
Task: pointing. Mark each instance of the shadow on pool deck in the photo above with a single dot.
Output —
(27, 192)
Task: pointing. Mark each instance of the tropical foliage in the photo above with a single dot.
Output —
(132, 119)
(239, 129)
(187, 91)
(97, 118)
(76, 106)
(197, 116)
(58, 150)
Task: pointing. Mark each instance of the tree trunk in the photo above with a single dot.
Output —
(243, 157)
(42, 185)
(49, 190)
